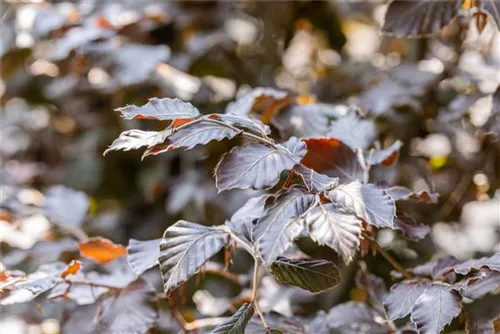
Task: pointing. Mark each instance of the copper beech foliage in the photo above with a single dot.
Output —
(321, 197)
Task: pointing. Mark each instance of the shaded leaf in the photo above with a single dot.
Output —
(355, 317)
(484, 283)
(134, 139)
(187, 136)
(419, 18)
(366, 201)
(401, 193)
(436, 307)
(374, 286)
(311, 275)
(353, 130)
(241, 221)
(316, 182)
(332, 157)
(257, 165)
(402, 297)
(101, 250)
(143, 255)
(492, 263)
(160, 109)
(334, 228)
(65, 205)
(275, 231)
(185, 247)
(306, 120)
(238, 321)
(133, 310)
(411, 229)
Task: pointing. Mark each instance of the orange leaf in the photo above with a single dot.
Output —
(321, 153)
(101, 250)
(73, 267)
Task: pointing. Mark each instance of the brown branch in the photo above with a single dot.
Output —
(255, 285)
(389, 257)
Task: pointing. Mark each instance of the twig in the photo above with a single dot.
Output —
(455, 197)
(89, 283)
(389, 257)
(255, 285)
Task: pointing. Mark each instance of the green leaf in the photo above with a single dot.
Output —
(237, 323)
(311, 275)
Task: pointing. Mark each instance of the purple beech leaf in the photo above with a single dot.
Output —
(483, 283)
(335, 228)
(131, 310)
(436, 307)
(185, 248)
(135, 139)
(402, 297)
(366, 201)
(281, 223)
(243, 105)
(197, 132)
(387, 156)
(252, 124)
(143, 255)
(374, 287)
(411, 229)
(399, 193)
(242, 220)
(257, 165)
(353, 130)
(407, 18)
(66, 206)
(238, 321)
(311, 275)
(160, 109)
(356, 317)
(333, 158)
(316, 182)
(492, 263)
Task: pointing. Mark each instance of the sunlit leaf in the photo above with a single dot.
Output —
(135, 139)
(101, 250)
(401, 193)
(132, 310)
(334, 228)
(366, 201)
(198, 132)
(419, 18)
(436, 307)
(186, 247)
(238, 321)
(402, 297)
(243, 105)
(355, 317)
(411, 229)
(72, 268)
(316, 182)
(311, 275)
(492, 263)
(275, 231)
(143, 255)
(353, 130)
(160, 109)
(387, 157)
(241, 221)
(257, 165)
(245, 122)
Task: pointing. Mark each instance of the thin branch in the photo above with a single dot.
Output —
(255, 285)
(89, 283)
(389, 257)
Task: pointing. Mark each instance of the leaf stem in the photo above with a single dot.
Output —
(389, 257)
(255, 285)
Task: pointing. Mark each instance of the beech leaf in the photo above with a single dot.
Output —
(238, 321)
(143, 255)
(311, 275)
(316, 182)
(135, 139)
(402, 297)
(367, 202)
(335, 228)
(257, 165)
(160, 109)
(353, 130)
(101, 250)
(186, 247)
(275, 231)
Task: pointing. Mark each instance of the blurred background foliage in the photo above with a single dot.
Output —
(65, 66)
